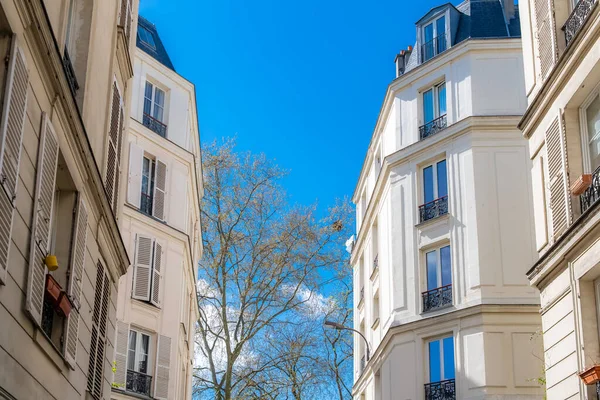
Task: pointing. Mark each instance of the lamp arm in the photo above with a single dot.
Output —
(361, 335)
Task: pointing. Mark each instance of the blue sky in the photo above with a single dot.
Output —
(300, 81)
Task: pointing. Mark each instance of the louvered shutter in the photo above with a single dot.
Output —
(42, 216)
(95, 380)
(160, 187)
(119, 147)
(11, 136)
(75, 281)
(157, 266)
(125, 17)
(142, 267)
(546, 35)
(163, 364)
(113, 157)
(560, 202)
(121, 354)
(134, 183)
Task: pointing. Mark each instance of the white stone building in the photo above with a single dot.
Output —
(160, 224)
(445, 219)
(561, 52)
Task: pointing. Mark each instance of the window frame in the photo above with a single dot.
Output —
(153, 103)
(148, 32)
(435, 92)
(583, 124)
(137, 352)
(439, 271)
(434, 166)
(151, 181)
(433, 22)
(427, 358)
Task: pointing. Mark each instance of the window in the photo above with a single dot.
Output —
(591, 115)
(154, 109)
(148, 269)
(147, 183)
(434, 38)
(435, 191)
(441, 360)
(148, 172)
(438, 271)
(139, 350)
(375, 311)
(434, 111)
(146, 37)
(69, 33)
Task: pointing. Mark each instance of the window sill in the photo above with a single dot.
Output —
(50, 349)
(433, 310)
(361, 304)
(130, 394)
(146, 304)
(375, 324)
(374, 274)
(431, 221)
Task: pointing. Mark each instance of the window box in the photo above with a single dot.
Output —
(64, 305)
(581, 184)
(591, 375)
(53, 290)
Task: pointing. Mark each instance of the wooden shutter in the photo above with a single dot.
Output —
(113, 160)
(160, 187)
(95, 381)
(134, 183)
(119, 147)
(157, 266)
(78, 248)
(142, 267)
(560, 202)
(163, 364)
(121, 354)
(42, 216)
(11, 136)
(125, 17)
(546, 35)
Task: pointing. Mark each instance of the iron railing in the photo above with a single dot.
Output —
(433, 127)
(155, 125)
(580, 14)
(434, 47)
(592, 193)
(433, 209)
(437, 298)
(138, 382)
(146, 204)
(70, 73)
(444, 390)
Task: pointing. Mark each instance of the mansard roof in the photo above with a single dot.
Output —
(158, 51)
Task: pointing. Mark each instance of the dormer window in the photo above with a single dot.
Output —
(434, 38)
(146, 37)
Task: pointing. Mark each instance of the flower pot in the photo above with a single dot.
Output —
(51, 262)
(591, 375)
(53, 290)
(64, 305)
(581, 184)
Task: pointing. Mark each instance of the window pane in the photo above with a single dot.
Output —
(159, 102)
(441, 35)
(428, 184)
(431, 260)
(428, 109)
(146, 36)
(145, 175)
(593, 126)
(143, 366)
(131, 355)
(428, 33)
(441, 99)
(449, 358)
(148, 98)
(445, 259)
(435, 372)
(442, 179)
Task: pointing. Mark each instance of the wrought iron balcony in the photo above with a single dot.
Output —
(70, 73)
(433, 127)
(437, 298)
(580, 13)
(444, 390)
(434, 47)
(138, 383)
(146, 204)
(155, 125)
(433, 209)
(592, 193)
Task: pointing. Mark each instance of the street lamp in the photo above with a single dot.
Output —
(341, 327)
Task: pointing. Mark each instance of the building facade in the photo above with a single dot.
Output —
(64, 86)
(561, 42)
(160, 224)
(444, 220)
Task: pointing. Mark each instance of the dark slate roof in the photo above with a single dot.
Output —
(159, 53)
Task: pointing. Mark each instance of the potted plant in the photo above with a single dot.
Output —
(591, 375)
(64, 305)
(53, 290)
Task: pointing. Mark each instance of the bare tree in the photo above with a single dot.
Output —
(264, 263)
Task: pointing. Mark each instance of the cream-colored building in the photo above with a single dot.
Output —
(561, 52)
(64, 85)
(161, 191)
(445, 220)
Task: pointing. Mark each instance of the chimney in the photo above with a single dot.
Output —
(401, 61)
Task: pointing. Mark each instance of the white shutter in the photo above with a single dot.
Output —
(134, 184)
(75, 280)
(42, 215)
(114, 142)
(163, 364)
(121, 354)
(160, 187)
(119, 148)
(157, 266)
(125, 17)
(142, 267)
(11, 136)
(98, 338)
(560, 202)
(546, 35)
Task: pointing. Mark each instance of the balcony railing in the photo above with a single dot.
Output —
(138, 383)
(444, 390)
(70, 73)
(433, 127)
(592, 193)
(155, 125)
(437, 298)
(580, 13)
(434, 47)
(146, 204)
(433, 209)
